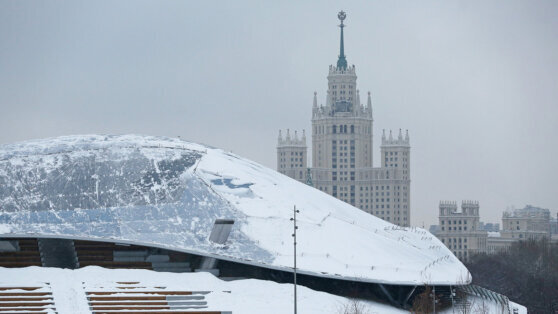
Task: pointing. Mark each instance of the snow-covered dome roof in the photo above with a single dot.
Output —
(167, 193)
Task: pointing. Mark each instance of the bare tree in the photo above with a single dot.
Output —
(423, 302)
(354, 306)
(527, 273)
(464, 307)
(482, 308)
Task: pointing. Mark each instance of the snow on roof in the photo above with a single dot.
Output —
(493, 234)
(167, 193)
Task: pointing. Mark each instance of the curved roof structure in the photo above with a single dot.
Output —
(167, 193)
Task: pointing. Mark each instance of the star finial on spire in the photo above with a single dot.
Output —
(342, 61)
(341, 15)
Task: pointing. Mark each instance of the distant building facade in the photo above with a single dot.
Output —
(490, 227)
(526, 223)
(459, 228)
(462, 232)
(342, 151)
(291, 156)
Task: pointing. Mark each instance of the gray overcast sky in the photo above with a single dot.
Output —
(475, 82)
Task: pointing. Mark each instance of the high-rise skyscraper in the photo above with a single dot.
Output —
(342, 154)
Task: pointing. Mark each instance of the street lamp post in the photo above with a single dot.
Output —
(434, 301)
(293, 219)
(452, 294)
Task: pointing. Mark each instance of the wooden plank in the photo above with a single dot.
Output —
(120, 308)
(113, 263)
(30, 304)
(21, 253)
(97, 257)
(84, 264)
(95, 251)
(125, 298)
(23, 294)
(2, 299)
(24, 259)
(20, 312)
(129, 303)
(20, 288)
(6, 309)
(26, 240)
(140, 292)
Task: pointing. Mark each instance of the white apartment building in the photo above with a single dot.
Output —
(458, 228)
(526, 223)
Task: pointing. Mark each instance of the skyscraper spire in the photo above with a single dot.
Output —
(342, 61)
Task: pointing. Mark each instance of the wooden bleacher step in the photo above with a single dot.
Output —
(142, 299)
(26, 299)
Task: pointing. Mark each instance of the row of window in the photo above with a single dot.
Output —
(292, 159)
(454, 240)
(343, 129)
(455, 222)
(291, 166)
(379, 193)
(341, 154)
(455, 228)
(366, 188)
(341, 86)
(334, 160)
(342, 92)
(362, 206)
(377, 187)
(292, 154)
(387, 212)
(394, 154)
(457, 246)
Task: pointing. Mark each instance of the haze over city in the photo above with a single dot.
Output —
(474, 83)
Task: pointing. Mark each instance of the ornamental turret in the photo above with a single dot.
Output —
(291, 155)
(369, 105)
